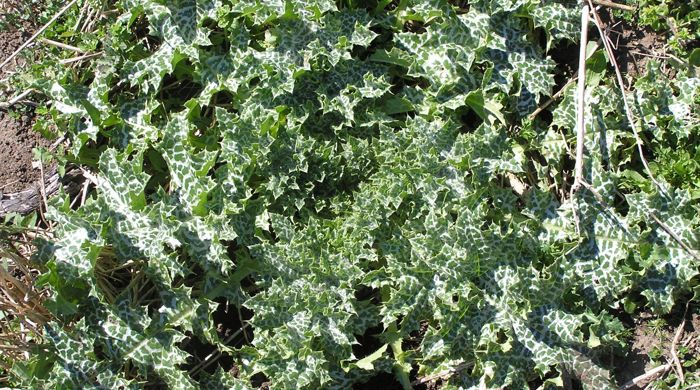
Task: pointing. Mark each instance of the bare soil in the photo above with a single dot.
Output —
(17, 139)
(648, 338)
(634, 46)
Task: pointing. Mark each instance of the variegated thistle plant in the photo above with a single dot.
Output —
(356, 175)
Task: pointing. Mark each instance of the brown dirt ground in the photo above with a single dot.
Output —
(634, 46)
(645, 339)
(17, 139)
(16, 142)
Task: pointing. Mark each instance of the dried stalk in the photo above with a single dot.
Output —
(642, 380)
(61, 45)
(80, 58)
(580, 100)
(214, 356)
(552, 99)
(15, 100)
(674, 343)
(442, 375)
(611, 4)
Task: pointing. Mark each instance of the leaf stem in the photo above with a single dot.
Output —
(401, 367)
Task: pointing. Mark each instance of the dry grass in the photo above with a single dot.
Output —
(22, 314)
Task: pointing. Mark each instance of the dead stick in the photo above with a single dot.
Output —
(83, 9)
(442, 375)
(580, 119)
(61, 45)
(644, 379)
(214, 356)
(36, 34)
(90, 20)
(83, 196)
(614, 5)
(92, 178)
(15, 99)
(552, 99)
(674, 343)
(580, 99)
(80, 58)
(43, 192)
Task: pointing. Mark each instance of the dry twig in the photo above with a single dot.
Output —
(81, 15)
(82, 195)
(611, 4)
(90, 20)
(88, 175)
(214, 356)
(580, 107)
(442, 375)
(580, 100)
(646, 378)
(80, 58)
(42, 187)
(552, 99)
(61, 45)
(674, 343)
(15, 100)
(93, 16)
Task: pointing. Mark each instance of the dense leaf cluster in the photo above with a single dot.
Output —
(347, 172)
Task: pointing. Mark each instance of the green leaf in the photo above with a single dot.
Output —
(488, 109)
(694, 57)
(366, 362)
